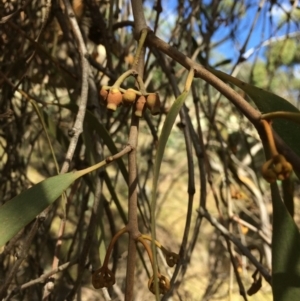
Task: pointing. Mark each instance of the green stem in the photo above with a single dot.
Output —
(122, 77)
(142, 39)
(147, 237)
(282, 114)
(108, 160)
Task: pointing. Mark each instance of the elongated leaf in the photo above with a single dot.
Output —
(268, 102)
(22, 209)
(285, 252)
(165, 133)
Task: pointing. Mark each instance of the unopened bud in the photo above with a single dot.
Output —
(153, 103)
(129, 97)
(140, 106)
(114, 99)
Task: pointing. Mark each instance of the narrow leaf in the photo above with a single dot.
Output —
(165, 133)
(285, 252)
(22, 209)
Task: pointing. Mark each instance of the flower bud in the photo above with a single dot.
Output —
(277, 168)
(129, 97)
(171, 258)
(163, 284)
(140, 106)
(103, 277)
(153, 103)
(114, 99)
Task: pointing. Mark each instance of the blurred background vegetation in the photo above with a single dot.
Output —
(40, 82)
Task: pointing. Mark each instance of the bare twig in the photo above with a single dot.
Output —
(78, 125)
(44, 277)
(235, 268)
(232, 238)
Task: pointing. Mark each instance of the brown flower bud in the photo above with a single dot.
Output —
(114, 99)
(140, 106)
(277, 168)
(171, 258)
(103, 277)
(129, 97)
(153, 103)
(163, 284)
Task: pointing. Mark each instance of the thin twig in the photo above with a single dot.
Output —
(237, 242)
(235, 268)
(43, 278)
(78, 125)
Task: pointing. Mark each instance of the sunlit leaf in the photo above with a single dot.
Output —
(22, 209)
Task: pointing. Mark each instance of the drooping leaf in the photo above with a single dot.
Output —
(23, 208)
(285, 252)
(268, 102)
(165, 133)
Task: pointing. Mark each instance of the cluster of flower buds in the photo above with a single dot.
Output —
(113, 97)
(277, 168)
(103, 277)
(163, 284)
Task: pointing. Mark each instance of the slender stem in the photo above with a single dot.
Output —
(147, 237)
(282, 114)
(112, 243)
(141, 239)
(235, 269)
(107, 161)
(270, 138)
(142, 40)
(132, 208)
(78, 125)
(203, 212)
(120, 80)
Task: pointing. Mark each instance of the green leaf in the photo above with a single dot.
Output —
(285, 252)
(165, 133)
(268, 102)
(22, 209)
